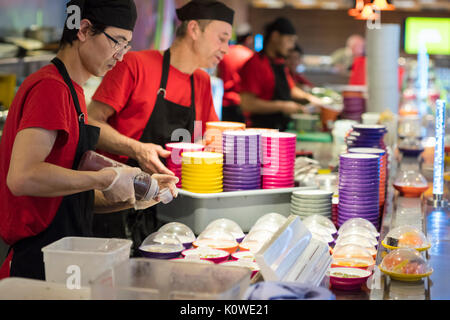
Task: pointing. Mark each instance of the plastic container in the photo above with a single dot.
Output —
(91, 255)
(29, 289)
(255, 240)
(362, 232)
(251, 265)
(359, 222)
(406, 237)
(326, 223)
(161, 245)
(207, 253)
(358, 240)
(353, 256)
(272, 217)
(405, 264)
(216, 238)
(182, 231)
(152, 279)
(229, 226)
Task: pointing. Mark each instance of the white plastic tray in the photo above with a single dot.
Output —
(197, 210)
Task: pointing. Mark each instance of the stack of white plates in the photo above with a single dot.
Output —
(311, 202)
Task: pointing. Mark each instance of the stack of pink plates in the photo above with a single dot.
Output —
(174, 161)
(359, 191)
(278, 159)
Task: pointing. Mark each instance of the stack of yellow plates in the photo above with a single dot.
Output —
(213, 134)
(201, 172)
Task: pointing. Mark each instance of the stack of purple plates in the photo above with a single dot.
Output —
(359, 181)
(242, 160)
(366, 136)
(354, 107)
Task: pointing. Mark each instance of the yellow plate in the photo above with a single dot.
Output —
(393, 248)
(195, 185)
(406, 277)
(202, 191)
(201, 170)
(201, 177)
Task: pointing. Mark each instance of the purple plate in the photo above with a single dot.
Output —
(372, 168)
(358, 175)
(358, 179)
(242, 167)
(241, 184)
(354, 207)
(160, 255)
(357, 199)
(366, 215)
(242, 175)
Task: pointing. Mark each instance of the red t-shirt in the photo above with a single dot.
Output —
(131, 87)
(257, 76)
(42, 101)
(229, 69)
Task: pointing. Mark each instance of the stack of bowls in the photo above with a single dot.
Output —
(242, 168)
(202, 172)
(366, 136)
(383, 167)
(278, 158)
(359, 187)
(334, 209)
(174, 161)
(354, 105)
(214, 130)
(306, 203)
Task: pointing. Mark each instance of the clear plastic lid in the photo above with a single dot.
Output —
(182, 231)
(162, 242)
(227, 225)
(405, 261)
(269, 225)
(243, 263)
(359, 222)
(358, 233)
(358, 240)
(275, 217)
(406, 237)
(352, 255)
(322, 221)
(205, 253)
(254, 241)
(217, 238)
(325, 238)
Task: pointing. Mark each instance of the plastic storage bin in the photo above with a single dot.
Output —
(243, 207)
(153, 279)
(91, 255)
(30, 289)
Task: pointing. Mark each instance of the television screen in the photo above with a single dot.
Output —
(434, 32)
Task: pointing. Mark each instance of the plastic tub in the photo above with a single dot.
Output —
(91, 255)
(152, 279)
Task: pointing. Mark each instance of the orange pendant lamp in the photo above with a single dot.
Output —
(357, 9)
(383, 5)
(367, 13)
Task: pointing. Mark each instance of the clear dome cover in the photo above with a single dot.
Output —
(406, 237)
(182, 231)
(352, 255)
(358, 240)
(229, 226)
(161, 242)
(405, 261)
(321, 221)
(254, 241)
(358, 233)
(359, 222)
(204, 253)
(269, 225)
(275, 217)
(323, 237)
(216, 238)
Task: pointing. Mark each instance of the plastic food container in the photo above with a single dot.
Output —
(358, 240)
(272, 217)
(229, 226)
(405, 264)
(358, 233)
(161, 245)
(153, 279)
(322, 221)
(359, 222)
(216, 238)
(207, 253)
(353, 256)
(269, 225)
(253, 266)
(182, 231)
(349, 279)
(254, 241)
(91, 255)
(406, 237)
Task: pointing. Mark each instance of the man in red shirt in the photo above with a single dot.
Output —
(151, 97)
(228, 70)
(44, 197)
(267, 89)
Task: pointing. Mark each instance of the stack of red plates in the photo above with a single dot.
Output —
(334, 210)
(174, 161)
(278, 159)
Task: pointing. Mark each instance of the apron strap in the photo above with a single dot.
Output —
(63, 71)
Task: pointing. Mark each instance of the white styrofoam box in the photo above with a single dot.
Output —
(197, 210)
(70, 257)
(30, 289)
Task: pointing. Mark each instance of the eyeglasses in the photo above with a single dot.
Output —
(121, 47)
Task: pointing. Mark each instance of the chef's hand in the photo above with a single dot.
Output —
(164, 182)
(148, 158)
(122, 187)
(291, 107)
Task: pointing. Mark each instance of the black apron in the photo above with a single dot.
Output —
(282, 92)
(166, 117)
(74, 216)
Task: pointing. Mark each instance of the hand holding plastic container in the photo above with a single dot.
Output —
(146, 188)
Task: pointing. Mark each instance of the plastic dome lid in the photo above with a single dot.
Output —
(162, 242)
(216, 237)
(405, 261)
(358, 240)
(269, 225)
(182, 231)
(227, 225)
(406, 237)
(325, 238)
(358, 233)
(275, 217)
(359, 222)
(254, 240)
(352, 255)
(322, 221)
